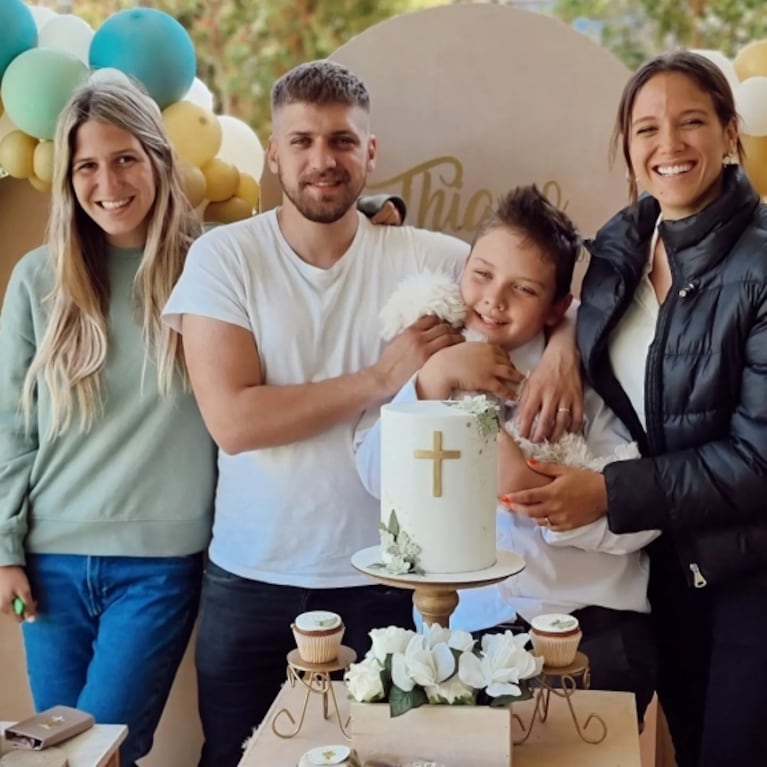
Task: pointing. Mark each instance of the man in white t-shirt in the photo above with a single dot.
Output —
(280, 321)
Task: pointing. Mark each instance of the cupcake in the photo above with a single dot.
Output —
(318, 635)
(555, 636)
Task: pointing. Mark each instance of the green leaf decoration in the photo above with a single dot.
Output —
(393, 523)
(400, 701)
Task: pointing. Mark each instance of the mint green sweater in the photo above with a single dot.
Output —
(139, 483)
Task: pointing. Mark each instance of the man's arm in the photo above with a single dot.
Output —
(242, 413)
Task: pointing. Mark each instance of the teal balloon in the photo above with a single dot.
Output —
(36, 86)
(18, 31)
(152, 47)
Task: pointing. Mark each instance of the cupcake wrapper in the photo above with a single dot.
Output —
(318, 649)
(556, 651)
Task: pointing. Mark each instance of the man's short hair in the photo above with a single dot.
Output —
(529, 212)
(320, 82)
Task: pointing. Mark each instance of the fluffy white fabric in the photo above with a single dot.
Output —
(418, 296)
(437, 294)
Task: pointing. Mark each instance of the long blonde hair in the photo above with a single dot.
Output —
(73, 349)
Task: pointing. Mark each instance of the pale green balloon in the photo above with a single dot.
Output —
(36, 86)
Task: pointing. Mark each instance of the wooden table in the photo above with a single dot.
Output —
(553, 743)
(97, 747)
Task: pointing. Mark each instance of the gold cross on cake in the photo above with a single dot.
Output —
(438, 455)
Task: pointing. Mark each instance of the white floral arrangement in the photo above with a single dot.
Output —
(440, 666)
(484, 409)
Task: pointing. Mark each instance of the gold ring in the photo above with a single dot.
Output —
(563, 410)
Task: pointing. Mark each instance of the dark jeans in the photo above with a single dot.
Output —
(244, 638)
(620, 648)
(712, 646)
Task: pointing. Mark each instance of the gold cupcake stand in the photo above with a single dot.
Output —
(435, 596)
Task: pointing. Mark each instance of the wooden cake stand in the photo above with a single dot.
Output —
(435, 595)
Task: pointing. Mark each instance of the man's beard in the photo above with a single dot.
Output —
(318, 209)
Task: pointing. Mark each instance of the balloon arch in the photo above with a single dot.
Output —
(44, 56)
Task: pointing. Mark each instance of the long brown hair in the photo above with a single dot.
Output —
(704, 73)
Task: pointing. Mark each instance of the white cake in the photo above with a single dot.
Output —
(438, 477)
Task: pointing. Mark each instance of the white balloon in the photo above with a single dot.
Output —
(200, 94)
(751, 105)
(109, 75)
(41, 15)
(725, 64)
(67, 33)
(240, 146)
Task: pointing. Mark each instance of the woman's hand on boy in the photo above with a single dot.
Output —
(573, 498)
(470, 366)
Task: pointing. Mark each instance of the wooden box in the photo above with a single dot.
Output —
(453, 736)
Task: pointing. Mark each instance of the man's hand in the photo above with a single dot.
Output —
(13, 584)
(407, 352)
(469, 366)
(554, 391)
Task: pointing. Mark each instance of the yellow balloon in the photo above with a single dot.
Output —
(16, 153)
(249, 190)
(192, 182)
(755, 162)
(39, 184)
(42, 161)
(233, 209)
(221, 180)
(751, 60)
(194, 131)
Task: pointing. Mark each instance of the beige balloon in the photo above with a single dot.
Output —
(228, 211)
(249, 189)
(221, 180)
(16, 154)
(42, 161)
(192, 182)
(752, 60)
(39, 184)
(194, 131)
(755, 162)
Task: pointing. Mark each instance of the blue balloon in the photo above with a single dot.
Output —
(18, 31)
(152, 47)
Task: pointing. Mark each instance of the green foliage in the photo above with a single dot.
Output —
(401, 701)
(637, 29)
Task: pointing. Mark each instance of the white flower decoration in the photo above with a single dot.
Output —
(422, 665)
(504, 662)
(363, 680)
(389, 641)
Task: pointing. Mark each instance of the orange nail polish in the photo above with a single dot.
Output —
(532, 461)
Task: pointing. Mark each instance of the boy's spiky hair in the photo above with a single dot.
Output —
(528, 211)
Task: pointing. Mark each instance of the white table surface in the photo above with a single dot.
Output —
(92, 748)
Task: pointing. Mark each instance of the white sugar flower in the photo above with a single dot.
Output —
(388, 641)
(363, 680)
(504, 662)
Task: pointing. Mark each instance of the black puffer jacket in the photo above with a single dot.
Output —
(703, 479)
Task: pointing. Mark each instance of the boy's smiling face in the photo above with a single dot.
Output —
(508, 286)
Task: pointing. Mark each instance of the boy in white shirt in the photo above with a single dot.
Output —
(516, 283)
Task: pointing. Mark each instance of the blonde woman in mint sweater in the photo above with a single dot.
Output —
(106, 470)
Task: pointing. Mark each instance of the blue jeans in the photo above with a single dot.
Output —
(109, 636)
(244, 638)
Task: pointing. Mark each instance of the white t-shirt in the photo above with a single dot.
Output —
(295, 514)
(563, 571)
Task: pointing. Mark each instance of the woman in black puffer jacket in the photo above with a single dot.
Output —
(673, 334)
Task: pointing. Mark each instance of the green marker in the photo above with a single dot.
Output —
(18, 606)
